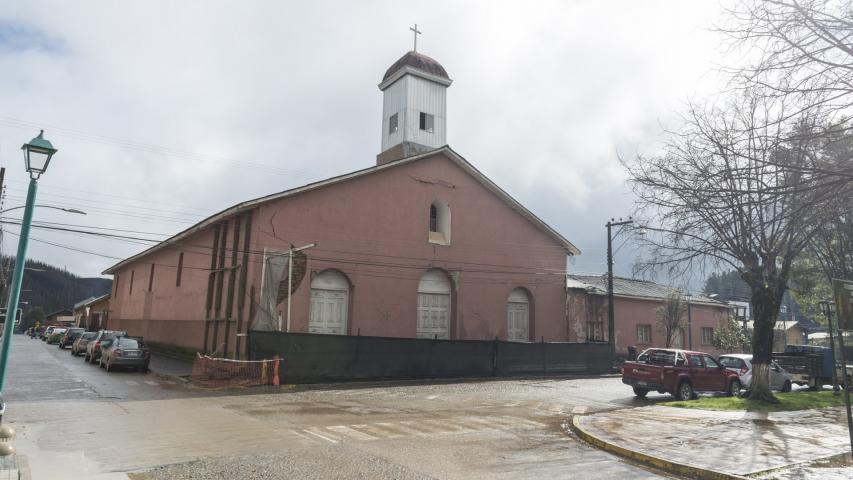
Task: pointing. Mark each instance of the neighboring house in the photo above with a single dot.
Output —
(420, 245)
(63, 317)
(92, 313)
(636, 321)
(80, 311)
(786, 333)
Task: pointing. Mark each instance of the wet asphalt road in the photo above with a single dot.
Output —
(42, 372)
(78, 421)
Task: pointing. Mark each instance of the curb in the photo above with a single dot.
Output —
(682, 469)
(168, 376)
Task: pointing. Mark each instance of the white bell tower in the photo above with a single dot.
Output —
(414, 106)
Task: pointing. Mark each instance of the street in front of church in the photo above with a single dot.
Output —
(139, 424)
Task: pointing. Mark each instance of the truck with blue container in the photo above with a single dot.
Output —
(810, 365)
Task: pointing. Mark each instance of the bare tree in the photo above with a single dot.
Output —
(796, 48)
(671, 316)
(800, 51)
(832, 246)
(733, 189)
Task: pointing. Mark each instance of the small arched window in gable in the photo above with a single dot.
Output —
(439, 223)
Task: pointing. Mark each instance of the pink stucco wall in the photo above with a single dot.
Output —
(374, 230)
(630, 312)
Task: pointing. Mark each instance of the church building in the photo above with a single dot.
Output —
(418, 243)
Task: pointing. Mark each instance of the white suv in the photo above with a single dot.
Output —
(741, 363)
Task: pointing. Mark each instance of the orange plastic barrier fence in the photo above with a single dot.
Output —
(224, 372)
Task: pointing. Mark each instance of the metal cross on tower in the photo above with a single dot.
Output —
(416, 33)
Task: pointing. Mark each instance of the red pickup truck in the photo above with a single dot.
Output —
(678, 372)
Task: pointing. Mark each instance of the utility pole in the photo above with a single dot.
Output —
(610, 309)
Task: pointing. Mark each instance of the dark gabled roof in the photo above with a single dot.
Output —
(448, 152)
(627, 287)
(417, 61)
(57, 313)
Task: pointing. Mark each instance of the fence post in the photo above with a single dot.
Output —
(495, 357)
(275, 379)
(357, 347)
(544, 361)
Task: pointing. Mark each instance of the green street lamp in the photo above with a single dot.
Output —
(37, 155)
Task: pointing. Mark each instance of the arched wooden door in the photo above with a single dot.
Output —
(434, 305)
(518, 316)
(329, 301)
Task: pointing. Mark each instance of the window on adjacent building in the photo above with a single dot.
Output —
(151, 279)
(130, 289)
(594, 331)
(392, 124)
(439, 223)
(707, 336)
(644, 334)
(180, 269)
(426, 122)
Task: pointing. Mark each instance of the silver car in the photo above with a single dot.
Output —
(741, 363)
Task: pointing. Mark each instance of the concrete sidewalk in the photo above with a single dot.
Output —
(712, 444)
(170, 367)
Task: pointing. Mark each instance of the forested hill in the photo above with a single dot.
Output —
(52, 288)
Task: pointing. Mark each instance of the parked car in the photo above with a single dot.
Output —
(46, 333)
(70, 335)
(125, 352)
(741, 363)
(681, 373)
(96, 345)
(55, 336)
(79, 345)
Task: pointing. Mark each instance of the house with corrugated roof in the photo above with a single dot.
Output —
(636, 320)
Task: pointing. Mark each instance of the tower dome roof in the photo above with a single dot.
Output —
(417, 61)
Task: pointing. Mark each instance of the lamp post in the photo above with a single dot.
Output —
(37, 155)
(689, 297)
(610, 311)
(828, 308)
(69, 210)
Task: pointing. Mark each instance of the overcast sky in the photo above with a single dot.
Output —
(165, 112)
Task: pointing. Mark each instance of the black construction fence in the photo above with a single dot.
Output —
(310, 357)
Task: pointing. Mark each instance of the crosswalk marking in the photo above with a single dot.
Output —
(300, 435)
(152, 383)
(132, 383)
(415, 428)
(325, 436)
(481, 422)
(351, 432)
(384, 429)
(525, 421)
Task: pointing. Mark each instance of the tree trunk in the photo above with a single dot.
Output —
(766, 298)
(759, 388)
